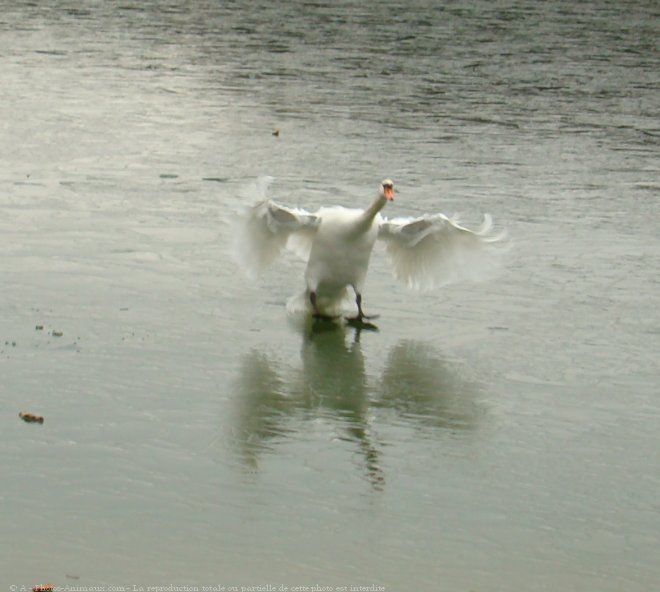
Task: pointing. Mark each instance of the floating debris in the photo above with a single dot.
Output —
(57, 333)
(39, 328)
(30, 417)
(169, 176)
(276, 133)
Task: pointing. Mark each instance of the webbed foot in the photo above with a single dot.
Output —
(362, 322)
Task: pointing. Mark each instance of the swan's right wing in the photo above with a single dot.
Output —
(267, 228)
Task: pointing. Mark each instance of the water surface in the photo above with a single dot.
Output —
(498, 436)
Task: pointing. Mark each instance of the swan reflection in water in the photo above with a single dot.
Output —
(415, 389)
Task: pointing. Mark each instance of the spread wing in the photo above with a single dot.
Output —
(268, 227)
(434, 250)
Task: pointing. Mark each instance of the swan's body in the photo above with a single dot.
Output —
(340, 255)
(337, 242)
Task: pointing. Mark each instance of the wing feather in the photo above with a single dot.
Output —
(434, 250)
(267, 228)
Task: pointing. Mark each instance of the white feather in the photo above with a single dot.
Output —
(266, 229)
(434, 250)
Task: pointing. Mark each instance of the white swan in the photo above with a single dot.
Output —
(426, 252)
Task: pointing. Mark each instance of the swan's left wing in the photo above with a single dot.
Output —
(434, 250)
(267, 228)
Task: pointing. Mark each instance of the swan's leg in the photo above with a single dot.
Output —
(358, 301)
(312, 300)
(360, 315)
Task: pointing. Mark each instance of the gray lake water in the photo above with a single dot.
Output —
(489, 437)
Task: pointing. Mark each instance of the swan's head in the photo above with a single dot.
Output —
(387, 189)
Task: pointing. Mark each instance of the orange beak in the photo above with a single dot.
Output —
(388, 192)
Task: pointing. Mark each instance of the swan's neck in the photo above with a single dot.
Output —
(369, 214)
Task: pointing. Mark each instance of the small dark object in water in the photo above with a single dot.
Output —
(30, 417)
(57, 333)
(276, 133)
(39, 328)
